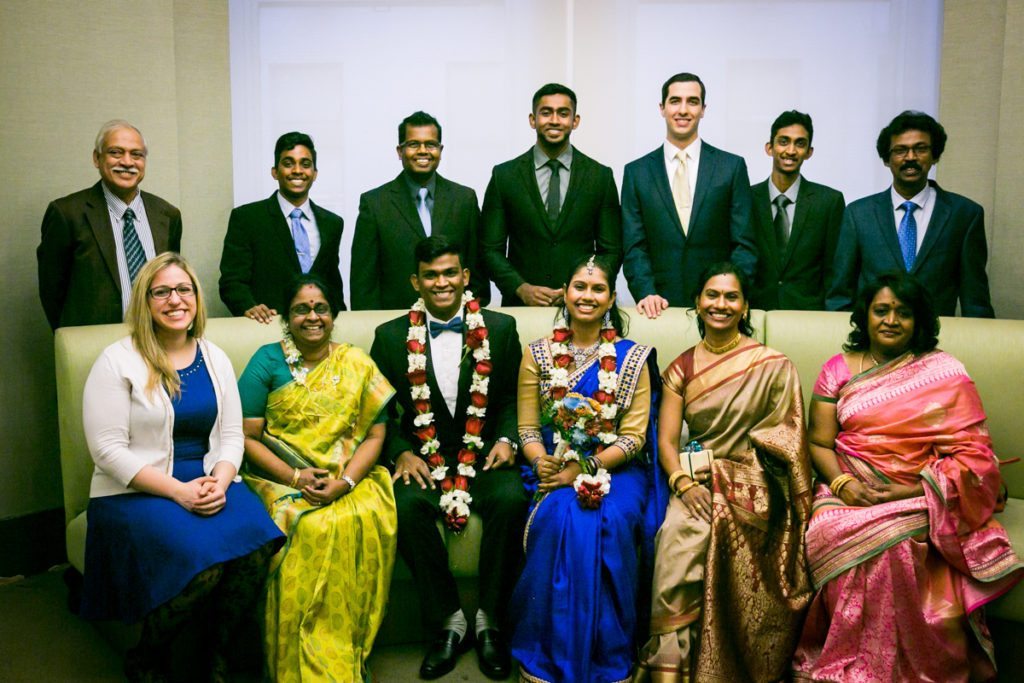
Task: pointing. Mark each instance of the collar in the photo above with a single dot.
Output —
(434, 318)
(791, 193)
(117, 205)
(414, 187)
(692, 151)
(921, 198)
(540, 158)
(287, 207)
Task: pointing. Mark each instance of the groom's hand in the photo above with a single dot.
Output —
(409, 467)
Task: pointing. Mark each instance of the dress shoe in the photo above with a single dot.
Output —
(492, 654)
(442, 655)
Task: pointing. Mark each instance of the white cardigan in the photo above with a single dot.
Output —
(127, 429)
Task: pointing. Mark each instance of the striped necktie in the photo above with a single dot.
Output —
(134, 254)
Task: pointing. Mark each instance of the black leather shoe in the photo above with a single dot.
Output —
(442, 655)
(492, 654)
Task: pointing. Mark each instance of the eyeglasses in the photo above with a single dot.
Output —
(305, 309)
(183, 291)
(415, 145)
(901, 151)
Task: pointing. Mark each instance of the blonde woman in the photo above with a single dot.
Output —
(169, 529)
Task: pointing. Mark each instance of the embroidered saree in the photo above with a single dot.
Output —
(900, 584)
(328, 586)
(574, 607)
(729, 596)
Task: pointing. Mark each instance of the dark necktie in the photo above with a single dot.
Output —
(907, 234)
(301, 240)
(453, 325)
(554, 191)
(134, 254)
(781, 221)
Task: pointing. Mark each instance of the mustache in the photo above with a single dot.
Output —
(125, 169)
(910, 165)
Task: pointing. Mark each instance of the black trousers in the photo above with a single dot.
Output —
(501, 502)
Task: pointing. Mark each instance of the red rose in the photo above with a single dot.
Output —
(415, 346)
(601, 396)
(426, 433)
(478, 400)
(484, 367)
(475, 337)
(417, 377)
(436, 460)
(561, 335)
(589, 495)
(447, 484)
(467, 457)
(474, 425)
(462, 483)
(473, 306)
(609, 334)
(416, 317)
(422, 405)
(608, 363)
(607, 426)
(562, 360)
(454, 523)
(558, 393)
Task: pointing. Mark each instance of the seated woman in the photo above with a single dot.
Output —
(730, 579)
(314, 426)
(170, 537)
(574, 608)
(902, 544)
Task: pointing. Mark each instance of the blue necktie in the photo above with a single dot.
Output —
(301, 240)
(908, 234)
(134, 254)
(423, 210)
(453, 325)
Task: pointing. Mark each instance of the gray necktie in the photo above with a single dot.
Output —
(554, 191)
(781, 221)
(301, 239)
(134, 254)
(423, 209)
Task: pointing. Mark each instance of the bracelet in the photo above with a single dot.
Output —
(674, 478)
(534, 465)
(686, 488)
(348, 480)
(839, 482)
(597, 463)
(295, 477)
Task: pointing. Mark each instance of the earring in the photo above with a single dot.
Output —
(606, 323)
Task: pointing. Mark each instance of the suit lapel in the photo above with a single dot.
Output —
(936, 226)
(282, 232)
(528, 178)
(406, 208)
(804, 205)
(705, 172)
(656, 169)
(577, 179)
(159, 225)
(98, 217)
(442, 206)
(885, 223)
(763, 207)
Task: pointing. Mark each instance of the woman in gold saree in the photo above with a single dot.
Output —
(314, 426)
(730, 579)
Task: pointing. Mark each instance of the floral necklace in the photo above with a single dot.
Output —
(455, 498)
(293, 357)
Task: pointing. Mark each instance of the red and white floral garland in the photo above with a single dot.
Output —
(455, 497)
(590, 486)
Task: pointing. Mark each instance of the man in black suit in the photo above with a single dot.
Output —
(685, 206)
(94, 241)
(796, 221)
(545, 209)
(916, 226)
(436, 413)
(395, 216)
(271, 241)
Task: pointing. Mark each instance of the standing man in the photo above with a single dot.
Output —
(916, 226)
(453, 427)
(95, 241)
(796, 221)
(545, 209)
(271, 241)
(418, 203)
(685, 206)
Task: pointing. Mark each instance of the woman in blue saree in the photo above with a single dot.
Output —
(584, 405)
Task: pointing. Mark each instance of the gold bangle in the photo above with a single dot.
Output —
(674, 478)
(686, 488)
(839, 482)
(295, 477)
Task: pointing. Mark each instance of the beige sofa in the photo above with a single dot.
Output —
(992, 350)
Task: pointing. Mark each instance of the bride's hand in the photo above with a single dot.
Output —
(547, 467)
(560, 479)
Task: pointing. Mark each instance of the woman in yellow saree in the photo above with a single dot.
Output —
(314, 426)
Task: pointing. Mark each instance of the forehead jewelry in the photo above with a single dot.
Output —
(590, 265)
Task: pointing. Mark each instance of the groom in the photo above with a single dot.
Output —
(452, 439)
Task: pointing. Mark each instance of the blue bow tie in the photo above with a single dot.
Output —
(453, 325)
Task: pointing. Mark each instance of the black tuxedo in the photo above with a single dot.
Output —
(259, 258)
(498, 495)
(660, 259)
(520, 242)
(79, 283)
(950, 263)
(797, 277)
(387, 231)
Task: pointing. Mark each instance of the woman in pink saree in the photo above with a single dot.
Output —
(902, 544)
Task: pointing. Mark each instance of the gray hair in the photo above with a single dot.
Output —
(112, 125)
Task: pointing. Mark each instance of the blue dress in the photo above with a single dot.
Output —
(575, 606)
(142, 550)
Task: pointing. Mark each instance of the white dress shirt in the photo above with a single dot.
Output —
(792, 193)
(446, 357)
(692, 153)
(925, 200)
(308, 222)
(116, 208)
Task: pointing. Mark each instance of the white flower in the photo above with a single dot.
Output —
(607, 438)
(484, 352)
(559, 377)
(479, 383)
(570, 454)
(471, 440)
(439, 472)
(477, 412)
(420, 392)
(419, 305)
(474, 320)
(466, 470)
(423, 419)
(607, 381)
(559, 349)
(417, 333)
(606, 349)
(556, 438)
(417, 361)
(601, 478)
(609, 411)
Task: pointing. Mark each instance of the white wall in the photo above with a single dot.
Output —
(347, 72)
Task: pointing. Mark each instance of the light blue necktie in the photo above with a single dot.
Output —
(907, 234)
(423, 210)
(134, 254)
(301, 240)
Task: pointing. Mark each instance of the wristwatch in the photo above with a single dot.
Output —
(510, 442)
